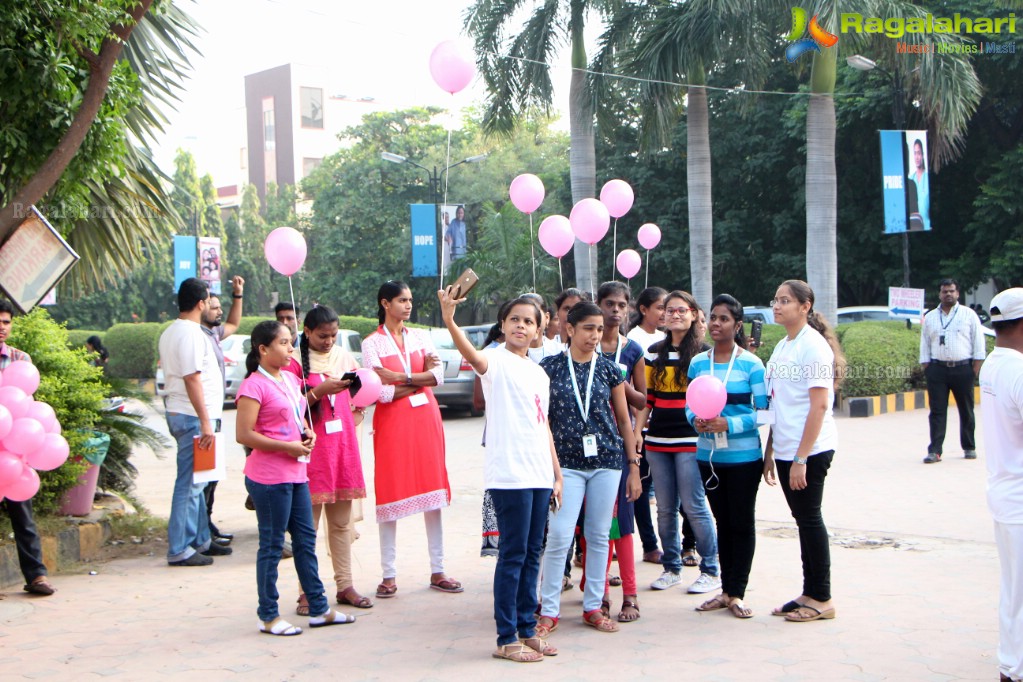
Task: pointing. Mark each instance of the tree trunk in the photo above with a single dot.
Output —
(822, 188)
(701, 220)
(100, 67)
(583, 154)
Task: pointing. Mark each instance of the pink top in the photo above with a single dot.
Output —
(276, 420)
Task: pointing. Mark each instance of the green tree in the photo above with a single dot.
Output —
(213, 224)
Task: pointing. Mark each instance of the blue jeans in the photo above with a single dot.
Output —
(521, 517)
(188, 529)
(285, 507)
(677, 478)
(600, 488)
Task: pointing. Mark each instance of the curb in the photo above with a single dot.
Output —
(79, 542)
(895, 402)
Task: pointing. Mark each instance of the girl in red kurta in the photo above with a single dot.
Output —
(408, 436)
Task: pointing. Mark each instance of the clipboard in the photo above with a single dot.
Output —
(208, 463)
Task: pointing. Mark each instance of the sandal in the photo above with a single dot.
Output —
(385, 591)
(303, 606)
(629, 612)
(653, 557)
(540, 646)
(689, 558)
(545, 625)
(786, 608)
(517, 652)
(596, 619)
(331, 617)
(615, 581)
(352, 598)
(447, 585)
(804, 614)
(279, 626)
(740, 610)
(566, 583)
(605, 606)
(713, 604)
(41, 586)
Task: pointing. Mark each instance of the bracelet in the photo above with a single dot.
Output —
(796, 459)
(236, 296)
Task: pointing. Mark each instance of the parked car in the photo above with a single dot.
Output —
(350, 340)
(235, 348)
(861, 313)
(459, 378)
(477, 333)
(751, 313)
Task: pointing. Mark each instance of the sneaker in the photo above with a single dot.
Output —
(217, 550)
(932, 457)
(194, 560)
(705, 583)
(667, 579)
(970, 454)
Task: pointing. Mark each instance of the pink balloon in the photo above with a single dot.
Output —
(24, 487)
(649, 236)
(285, 250)
(590, 220)
(22, 374)
(25, 437)
(556, 235)
(42, 413)
(527, 192)
(706, 396)
(10, 468)
(628, 263)
(370, 390)
(50, 455)
(15, 400)
(617, 195)
(452, 65)
(55, 428)
(6, 422)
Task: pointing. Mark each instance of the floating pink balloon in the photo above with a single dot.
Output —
(527, 192)
(24, 487)
(6, 422)
(285, 250)
(706, 396)
(617, 195)
(590, 220)
(628, 263)
(15, 400)
(42, 413)
(10, 468)
(22, 374)
(556, 235)
(452, 65)
(26, 436)
(50, 455)
(370, 391)
(649, 236)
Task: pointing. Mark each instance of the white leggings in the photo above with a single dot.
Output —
(1009, 537)
(434, 540)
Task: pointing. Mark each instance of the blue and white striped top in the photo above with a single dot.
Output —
(747, 392)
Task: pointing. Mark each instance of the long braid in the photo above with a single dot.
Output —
(303, 346)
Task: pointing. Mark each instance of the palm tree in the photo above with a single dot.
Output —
(516, 72)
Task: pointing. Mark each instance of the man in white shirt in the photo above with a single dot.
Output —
(194, 404)
(951, 351)
(1001, 382)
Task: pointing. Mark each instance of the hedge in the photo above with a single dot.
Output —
(883, 357)
(133, 349)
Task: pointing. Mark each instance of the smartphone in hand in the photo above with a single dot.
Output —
(461, 287)
(756, 329)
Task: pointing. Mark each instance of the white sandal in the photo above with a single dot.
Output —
(331, 617)
(279, 626)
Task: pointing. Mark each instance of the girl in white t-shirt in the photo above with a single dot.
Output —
(520, 470)
(801, 377)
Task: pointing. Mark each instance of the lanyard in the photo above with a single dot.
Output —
(584, 411)
(735, 354)
(405, 360)
(331, 397)
(784, 343)
(287, 394)
(944, 325)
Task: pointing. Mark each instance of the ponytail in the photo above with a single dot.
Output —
(819, 324)
(263, 334)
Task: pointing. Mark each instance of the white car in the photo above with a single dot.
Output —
(860, 313)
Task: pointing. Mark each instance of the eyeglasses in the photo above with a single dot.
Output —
(780, 301)
(672, 312)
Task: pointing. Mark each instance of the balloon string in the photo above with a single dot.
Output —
(589, 261)
(532, 251)
(614, 249)
(646, 281)
(308, 409)
(561, 278)
(443, 247)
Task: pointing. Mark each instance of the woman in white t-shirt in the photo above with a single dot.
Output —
(520, 470)
(801, 377)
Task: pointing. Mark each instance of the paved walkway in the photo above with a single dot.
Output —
(915, 581)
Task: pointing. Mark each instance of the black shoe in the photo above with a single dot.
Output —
(932, 457)
(194, 560)
(970, 454)
(249, 504)
(222, 540)
(217, 550)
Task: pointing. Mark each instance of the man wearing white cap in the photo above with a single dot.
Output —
(1001, 382)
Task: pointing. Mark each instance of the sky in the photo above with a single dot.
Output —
(373, 49)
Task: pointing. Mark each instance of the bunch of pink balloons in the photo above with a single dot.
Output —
(30, 437)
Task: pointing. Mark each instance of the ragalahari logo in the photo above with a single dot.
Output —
(818, 36)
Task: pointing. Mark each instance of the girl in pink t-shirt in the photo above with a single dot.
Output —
(271, 421)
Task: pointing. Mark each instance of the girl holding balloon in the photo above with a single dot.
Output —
(728, 451)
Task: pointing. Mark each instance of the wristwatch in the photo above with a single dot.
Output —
(408, 379)
(796, 459)
(635, 460)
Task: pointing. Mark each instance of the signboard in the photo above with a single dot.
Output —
(209, 263)
(424, 240)
(905, 181)
(184, 259)
(905, 304)
(33, 260)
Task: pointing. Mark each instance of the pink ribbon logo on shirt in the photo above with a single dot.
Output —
(539, 410)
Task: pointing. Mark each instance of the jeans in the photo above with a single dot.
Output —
(734, 502)
(521, 516)
(188, 528)
(285, 507)
(805, 506)
(26, 538)
(644, 522)
(677, 478)
(941, 380)
(600, 488)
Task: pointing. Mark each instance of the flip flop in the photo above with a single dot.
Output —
(740, 610)
(786, 608)
(804, 614)
(352, 598)
(385, 591)
(280, 627)
(331, 617)
(448, 585)
(713, 604)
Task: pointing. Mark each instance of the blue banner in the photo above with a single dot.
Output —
(905, 181)
(424, 240)
(184, 259)
(893, 181)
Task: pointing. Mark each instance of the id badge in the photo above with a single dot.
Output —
(334, 426)
(417, 399)
(304, 459)
(765, 417)
(589, 446)
(720, 441)
(625, 369)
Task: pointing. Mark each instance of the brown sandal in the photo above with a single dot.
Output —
(385, 591)
(545, 625)
(517, 652)
(540, 645)
(41, 586)
(596, 619)
(303, 606)
(352, 598)
(623, 616)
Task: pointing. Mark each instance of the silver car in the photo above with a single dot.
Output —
(459, 378)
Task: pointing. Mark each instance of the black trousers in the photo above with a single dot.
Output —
(958, 380)
(805, 506)
(26, 539)
(644, 521)
(733, 501)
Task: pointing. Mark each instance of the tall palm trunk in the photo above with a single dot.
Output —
(583, 155)
(822, 187)
(701, 220)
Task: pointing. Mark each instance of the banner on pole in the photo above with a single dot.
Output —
(905, 181)
(424, 240)
(209, 262)
(184, 259)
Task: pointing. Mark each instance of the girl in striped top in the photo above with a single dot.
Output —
(671, 446)
(728, 451)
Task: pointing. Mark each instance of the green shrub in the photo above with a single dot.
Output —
(248, 323)
(769, 338)
(883, 358)
(132, 349)
(363, 325)
(76, 337)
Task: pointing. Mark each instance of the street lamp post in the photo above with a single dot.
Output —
(861, 63)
